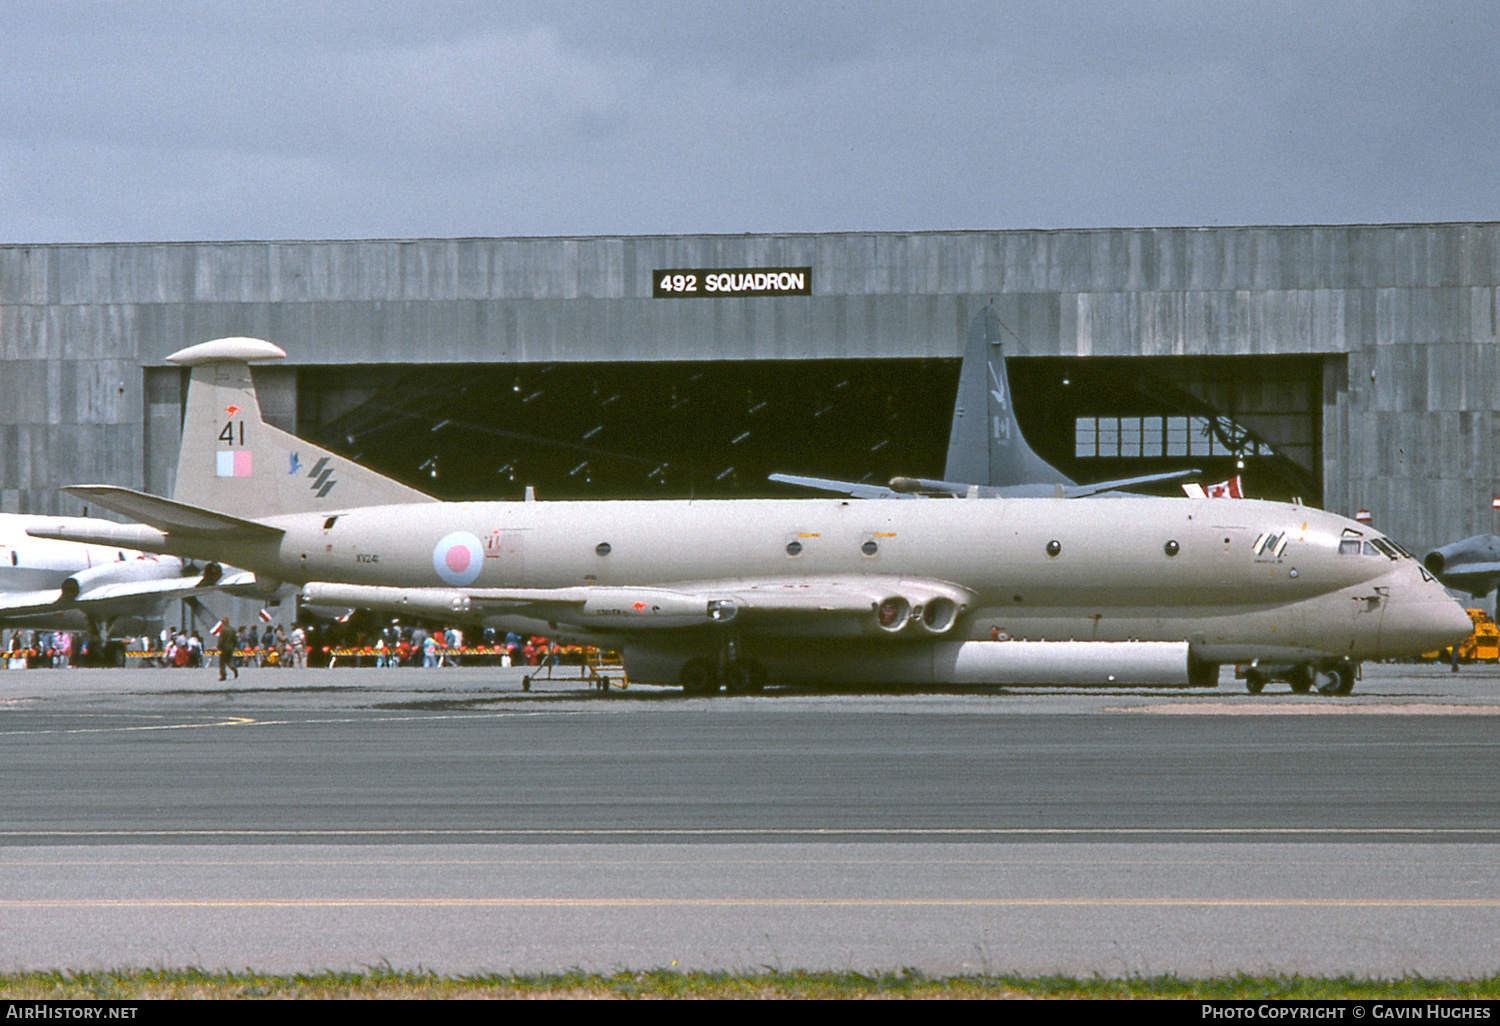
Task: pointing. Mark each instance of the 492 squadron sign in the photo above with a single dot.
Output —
(715, 282)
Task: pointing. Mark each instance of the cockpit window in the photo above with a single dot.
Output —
(1350, 544)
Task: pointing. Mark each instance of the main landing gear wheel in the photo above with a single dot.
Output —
(1301, 679)
(744, 676)
(1255, 682)
(699, 677)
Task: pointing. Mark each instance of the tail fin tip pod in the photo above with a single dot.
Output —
(227, 350)
(233, 462)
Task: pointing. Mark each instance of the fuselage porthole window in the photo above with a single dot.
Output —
(602, 548)
(1054, 547)
(794, 548)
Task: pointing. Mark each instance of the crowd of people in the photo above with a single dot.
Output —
(398, 645)
(31, 649)
(275, 646)
(27, 649)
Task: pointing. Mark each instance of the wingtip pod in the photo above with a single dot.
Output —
(227, 350)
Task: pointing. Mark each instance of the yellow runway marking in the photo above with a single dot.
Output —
(248, 721)
(233, 721)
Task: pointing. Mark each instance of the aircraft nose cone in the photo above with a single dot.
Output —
(1422, 618)
(1443, 622)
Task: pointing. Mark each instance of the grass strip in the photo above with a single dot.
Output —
(384, 982)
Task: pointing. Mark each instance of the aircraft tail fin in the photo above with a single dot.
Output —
(986, 445)
(233, 462)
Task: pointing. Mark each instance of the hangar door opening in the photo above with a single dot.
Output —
(718, 428)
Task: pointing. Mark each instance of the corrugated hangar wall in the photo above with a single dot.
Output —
(1406, 313)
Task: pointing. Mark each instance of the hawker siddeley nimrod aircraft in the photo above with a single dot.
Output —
(735, 593)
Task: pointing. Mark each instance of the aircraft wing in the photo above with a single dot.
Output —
(115, 589)
(919, 487)
(857, 489)
(879, 604)
(1083, 491)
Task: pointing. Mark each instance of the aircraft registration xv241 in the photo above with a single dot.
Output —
(740, 592)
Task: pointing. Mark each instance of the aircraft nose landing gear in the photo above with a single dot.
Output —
(1336, 680)
(1333, 677)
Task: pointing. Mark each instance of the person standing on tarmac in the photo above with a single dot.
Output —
(227, 643)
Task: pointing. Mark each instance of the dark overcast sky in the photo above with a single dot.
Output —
(166, 121)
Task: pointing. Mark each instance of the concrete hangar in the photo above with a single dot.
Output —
(1352, 366)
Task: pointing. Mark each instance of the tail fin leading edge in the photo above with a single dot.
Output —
(234, 462)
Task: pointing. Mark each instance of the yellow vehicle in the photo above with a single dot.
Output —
(1483, 646)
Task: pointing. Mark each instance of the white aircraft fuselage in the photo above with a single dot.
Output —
(1136, 569)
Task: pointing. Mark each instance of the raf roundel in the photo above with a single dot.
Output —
(458, 558)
